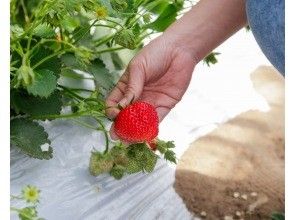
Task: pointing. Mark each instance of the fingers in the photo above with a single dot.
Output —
(129, 87)
(114, 97)
(135, 82)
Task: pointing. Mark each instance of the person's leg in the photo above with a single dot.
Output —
(266, 19)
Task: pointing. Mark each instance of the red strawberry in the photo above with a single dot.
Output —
(137, 122)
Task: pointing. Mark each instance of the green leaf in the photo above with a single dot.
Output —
(69, 60)
(44, 83)
(150, 160)
(69, 23)
(28, 136)
(16, 30)
(22, 102)
(101, 74)
(211, 58)
(117, 61)
(165, 18)
(28, 213)
(53, 64)
(44, 31)
(133, 166)
(170, 156)
(277, 216)
(81, 32)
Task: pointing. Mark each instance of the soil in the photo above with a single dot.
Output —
(237, 170)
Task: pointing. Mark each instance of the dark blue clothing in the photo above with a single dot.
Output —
(266, 19)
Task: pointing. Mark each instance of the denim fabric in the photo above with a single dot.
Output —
(266, 19)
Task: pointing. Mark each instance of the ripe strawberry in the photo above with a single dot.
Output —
(137, 122)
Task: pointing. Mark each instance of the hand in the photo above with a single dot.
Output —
(159, 75)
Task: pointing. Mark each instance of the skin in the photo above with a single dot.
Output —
(161, 72)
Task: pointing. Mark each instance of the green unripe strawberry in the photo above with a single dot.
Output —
(100, 163)
(126, 38)
(117, 171)
(119, 155)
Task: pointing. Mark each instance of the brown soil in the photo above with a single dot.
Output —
(244, 156)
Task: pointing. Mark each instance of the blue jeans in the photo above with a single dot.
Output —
(266, 19)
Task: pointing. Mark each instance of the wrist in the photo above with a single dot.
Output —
(184, 42)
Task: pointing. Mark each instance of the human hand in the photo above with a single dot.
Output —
(159, 75)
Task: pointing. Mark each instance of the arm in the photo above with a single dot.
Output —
(161, 72)
(207, 25)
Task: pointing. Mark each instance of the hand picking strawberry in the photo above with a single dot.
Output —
(136, 124)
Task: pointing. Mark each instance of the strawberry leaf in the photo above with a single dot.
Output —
(44, 31)
(170, 156)
(133, 166)
(22, 102)
(44, 83)
(101, 74)
(165, 18)
(53, 64)
(150, 160)
(29, 136)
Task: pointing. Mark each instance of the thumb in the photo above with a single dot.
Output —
(135, 83)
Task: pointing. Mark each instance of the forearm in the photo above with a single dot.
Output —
(207, 25)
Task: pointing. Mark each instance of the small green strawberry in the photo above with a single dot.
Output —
(100, 163)
(126, 38)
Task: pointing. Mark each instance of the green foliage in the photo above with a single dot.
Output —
(23, 103)
(211, 58)
(29, 136)
(44, 83)
(54, 40)
(126, 38)
(30, 195)
(122, 160)
(166, 17)
(278, 216)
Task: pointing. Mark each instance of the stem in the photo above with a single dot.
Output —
(105, 135)
(114, 22)
(27, 19)
(110, 49)
(73, 115)
(105, 40)
(84, 124)
(50, 40)
(85, 31)
(47, 58)
(105, 25)
(71, 92)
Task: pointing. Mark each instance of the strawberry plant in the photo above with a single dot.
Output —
(58, 41)
(58, 47)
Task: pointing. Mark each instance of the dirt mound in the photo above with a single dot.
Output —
(237, 171)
